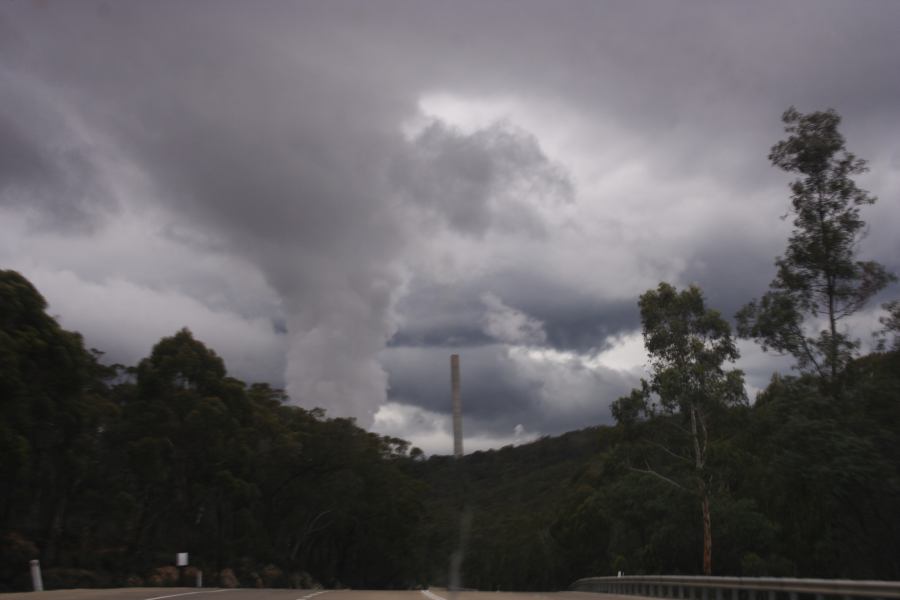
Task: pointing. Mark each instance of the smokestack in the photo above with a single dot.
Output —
(457, 406)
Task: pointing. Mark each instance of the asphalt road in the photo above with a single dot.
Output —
(247, 594)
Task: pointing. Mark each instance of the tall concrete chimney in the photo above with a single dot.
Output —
(457, 406)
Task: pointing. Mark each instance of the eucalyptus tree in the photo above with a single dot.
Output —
(53, 408)
(890, 326)
(818, 282)
(688, 345)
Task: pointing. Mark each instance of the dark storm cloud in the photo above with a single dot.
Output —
(738, 260)
(573, 319)
(501, 389)
(440, 315)
(257, 145)
(19, 159)
(451, 315)
(276, 138)
(44, 169)
(492, 387)
(587, 327)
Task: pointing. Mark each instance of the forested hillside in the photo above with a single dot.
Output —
(108, 471)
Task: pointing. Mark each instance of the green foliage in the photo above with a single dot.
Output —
(890, 331)
(818, 282)
(52, 401)
(688, 345)
(107, 471)
(829, 471)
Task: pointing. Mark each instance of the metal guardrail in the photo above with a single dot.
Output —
(737, 588)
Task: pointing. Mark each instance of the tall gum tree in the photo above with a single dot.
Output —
(818, 282)
(890, 327)
(688, 345)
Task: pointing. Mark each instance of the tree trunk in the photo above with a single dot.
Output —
(57, 526)
(707, 533)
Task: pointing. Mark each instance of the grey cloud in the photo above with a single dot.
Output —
(266, 152)
(44, 168)
(501, 390)
(439, 315)
(573, 319)
(492, 387)
(435, 314)
(19, 159)
(509, 325)
(272, 135)
(482, 180)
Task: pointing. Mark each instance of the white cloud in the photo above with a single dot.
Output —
(626, 352)
(508, 325)
(433, 432)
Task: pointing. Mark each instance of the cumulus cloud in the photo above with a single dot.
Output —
(493, 178)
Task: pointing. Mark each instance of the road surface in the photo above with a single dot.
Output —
(248, 594)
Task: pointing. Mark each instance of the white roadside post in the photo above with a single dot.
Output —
(181, 561)
(36, 580)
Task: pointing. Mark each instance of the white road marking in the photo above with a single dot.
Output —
(189, 594)
(431, 595)
(313, 595)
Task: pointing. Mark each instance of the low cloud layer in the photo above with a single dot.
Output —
(337, 196)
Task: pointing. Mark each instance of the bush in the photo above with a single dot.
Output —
(227, 579)
(167, 576)
(64, 579)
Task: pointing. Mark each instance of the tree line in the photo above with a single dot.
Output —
(107, 470)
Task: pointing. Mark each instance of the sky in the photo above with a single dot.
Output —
(336, 196)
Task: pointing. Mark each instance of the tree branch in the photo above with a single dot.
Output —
(670, 452)
(650, 471)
